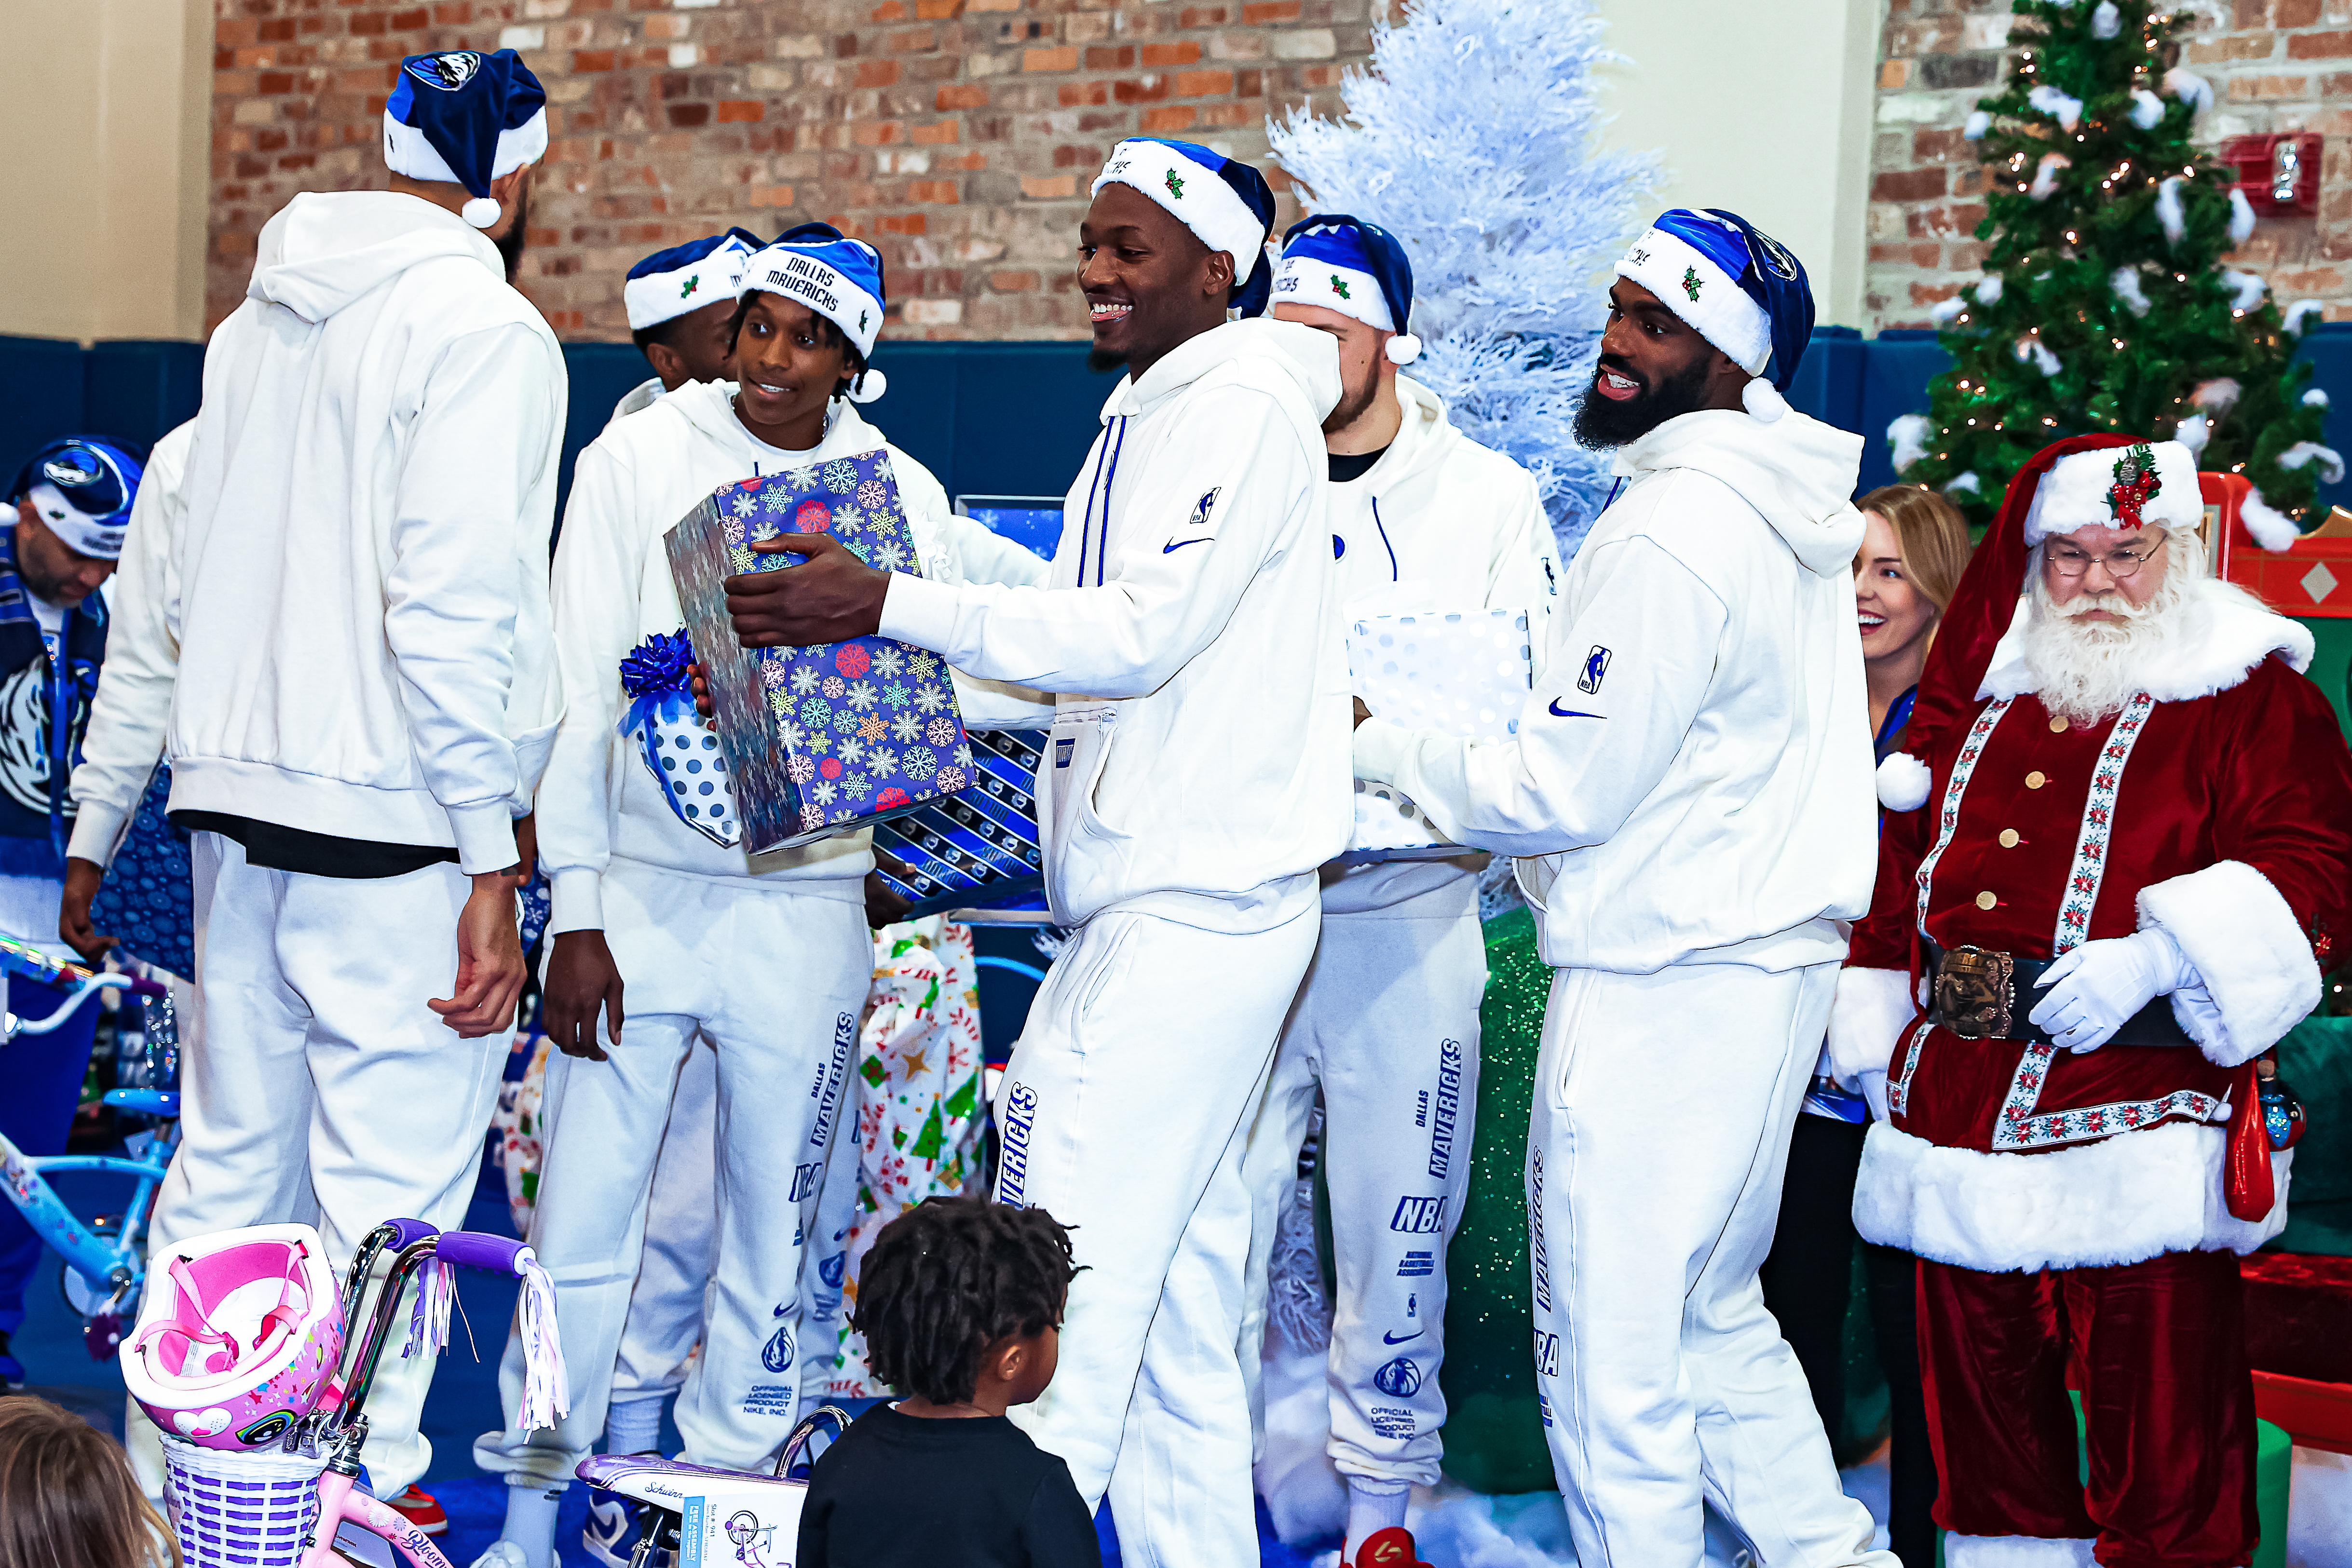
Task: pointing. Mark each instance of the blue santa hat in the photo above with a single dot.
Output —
(82, 488)
(1358, 269)
(838, 278)
(467, 119)
(670, 283)
(1223, 201)
(1737, 288)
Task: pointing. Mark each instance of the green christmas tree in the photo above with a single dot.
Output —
(2105, 305)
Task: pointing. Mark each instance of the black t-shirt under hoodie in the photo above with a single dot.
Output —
(913, 1491)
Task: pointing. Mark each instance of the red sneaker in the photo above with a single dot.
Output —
(419, 1508)
(1389, 1548)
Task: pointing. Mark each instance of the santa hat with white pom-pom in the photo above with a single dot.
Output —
(1737, 288)
(1339, 263)
(464, 117)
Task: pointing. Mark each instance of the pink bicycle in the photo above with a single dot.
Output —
(282, 1491)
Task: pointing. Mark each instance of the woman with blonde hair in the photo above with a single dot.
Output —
(1913, 551)
(68, 1499)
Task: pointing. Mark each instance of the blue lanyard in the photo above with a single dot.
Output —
(1394, 576)
(1106, 475)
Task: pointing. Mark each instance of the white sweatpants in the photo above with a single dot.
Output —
(1387, 1023)
(1123, 1113)
(773, 977)
(681, 1240)
(1657, 1145)
(317, 1079)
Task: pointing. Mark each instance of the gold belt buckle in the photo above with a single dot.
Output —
(1972, 992)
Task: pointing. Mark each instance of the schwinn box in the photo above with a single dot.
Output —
(757, 1525)
(826, 739)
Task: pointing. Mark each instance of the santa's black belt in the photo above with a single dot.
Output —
(1983, 995)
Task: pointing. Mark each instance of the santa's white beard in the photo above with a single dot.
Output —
(2086, 670)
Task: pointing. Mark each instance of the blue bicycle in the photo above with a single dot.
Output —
(106, 1259)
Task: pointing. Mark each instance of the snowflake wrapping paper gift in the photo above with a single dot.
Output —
(1463, 672)
(832, 738)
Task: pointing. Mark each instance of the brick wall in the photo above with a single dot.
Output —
(957, 135)
(2275, 65)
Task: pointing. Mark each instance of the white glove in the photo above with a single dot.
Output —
(2092, 989)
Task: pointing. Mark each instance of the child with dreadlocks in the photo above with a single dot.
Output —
(961, 1304)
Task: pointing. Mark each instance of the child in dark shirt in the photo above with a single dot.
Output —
(961, 1304)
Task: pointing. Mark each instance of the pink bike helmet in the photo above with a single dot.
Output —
(238, 1337)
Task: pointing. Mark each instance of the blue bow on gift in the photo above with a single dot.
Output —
(655, 673)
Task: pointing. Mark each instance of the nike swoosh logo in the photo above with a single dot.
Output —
(1400, 1339)
(1180, 544)
(1559, 712)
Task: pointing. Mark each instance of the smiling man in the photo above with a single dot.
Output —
(2113, 861)
(1196, 778)
(1689, 793)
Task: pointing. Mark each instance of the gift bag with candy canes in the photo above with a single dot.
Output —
(920, 1111)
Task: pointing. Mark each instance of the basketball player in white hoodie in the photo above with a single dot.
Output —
(365, 691)
(1196, 778)
(1689, 790)
(1422, 518)
(679, 938)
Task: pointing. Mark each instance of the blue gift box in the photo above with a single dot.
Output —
(979, 851)
(825, 739)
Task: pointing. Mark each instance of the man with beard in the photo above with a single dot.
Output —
(1196, 776)
(366, 692)
(1422, 518)
(2111, 868)
(1689, 791)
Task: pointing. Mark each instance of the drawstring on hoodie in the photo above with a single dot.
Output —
(1393, 575)
(1108, 459)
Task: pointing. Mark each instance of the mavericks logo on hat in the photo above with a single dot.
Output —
(447, 72)
(1774, 257)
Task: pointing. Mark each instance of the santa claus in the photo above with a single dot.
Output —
(2116, 838)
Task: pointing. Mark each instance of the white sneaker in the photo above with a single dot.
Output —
(507, 1555)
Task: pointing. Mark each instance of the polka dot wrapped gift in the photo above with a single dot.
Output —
(680, 752)
(1466, 673)
(825, 739)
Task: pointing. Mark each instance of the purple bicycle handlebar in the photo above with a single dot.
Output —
(407, 1233)
(477, 1250)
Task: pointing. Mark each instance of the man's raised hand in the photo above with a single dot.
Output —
(829, 598)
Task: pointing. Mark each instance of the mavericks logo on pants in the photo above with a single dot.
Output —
(1013, 1158)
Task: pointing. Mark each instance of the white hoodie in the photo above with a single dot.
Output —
(1198, 768)
(1694, 766)
(134, 703)
(599, 802)
(361, 601)
(1438, 522)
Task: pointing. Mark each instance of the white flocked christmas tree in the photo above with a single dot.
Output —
(1474, 137)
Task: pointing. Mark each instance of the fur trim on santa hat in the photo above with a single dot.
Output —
(2018, 1550)
(2229, 631)
(2124, 1199)
(1903, 782)
(2076, 492)
(2246, 946)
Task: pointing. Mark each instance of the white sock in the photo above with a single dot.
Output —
(531, 1522)
(1373, 1506)
(634, 1427)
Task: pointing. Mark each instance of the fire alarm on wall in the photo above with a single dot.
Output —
(2278, 173)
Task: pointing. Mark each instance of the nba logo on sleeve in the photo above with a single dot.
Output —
(1596, 666)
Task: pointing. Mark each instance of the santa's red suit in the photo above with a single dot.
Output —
(2078, 1204)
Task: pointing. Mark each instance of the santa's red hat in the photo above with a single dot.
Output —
(2083, 481)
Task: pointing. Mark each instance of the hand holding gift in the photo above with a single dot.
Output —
(831, 596)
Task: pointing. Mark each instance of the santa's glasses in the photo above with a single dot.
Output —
(2070, 562)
